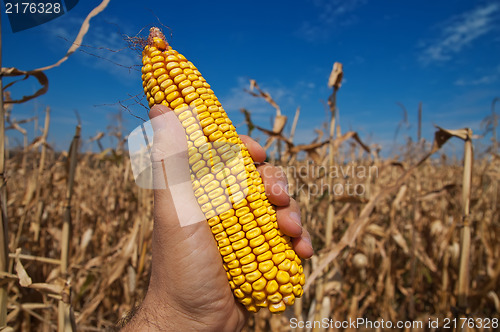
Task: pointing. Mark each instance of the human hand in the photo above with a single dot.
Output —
(188, 289)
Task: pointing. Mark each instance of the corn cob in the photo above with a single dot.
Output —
(262, 268)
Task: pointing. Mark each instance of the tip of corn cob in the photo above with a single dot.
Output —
(157, 39)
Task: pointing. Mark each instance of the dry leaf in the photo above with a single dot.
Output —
(263, 94)
(47, 288)
(24, 279)
(335, 79)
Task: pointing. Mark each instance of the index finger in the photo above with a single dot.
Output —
(256, 151)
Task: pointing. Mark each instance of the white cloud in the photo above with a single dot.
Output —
(459, 32)
(312, 32)
(485, 79)
(331, 14)
(482, 80)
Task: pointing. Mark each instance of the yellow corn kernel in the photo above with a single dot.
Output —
(247, 268)
(233, 229)
(239, 294)
(285, 265)
(247, 259)
(277, 307)
(297, 290)
(290, 254)
(282, 277)
(263, 220)
(218, 200)
(223, 243)
(260, 284)
(278, 258)
(217, 229)
(227, 214)
(259, 296)
(239, 280)
(278, 248)
(213, 221)
(253, 276)
(238, 236)
(194, 158)
(243, 252)
(294, 268)
(246, 287)
(289, 299)
(261, 249)
(209, 213)
(272, 286)
(229, 258)
(223, 208)
(271, 234)
(286, 288)
(265, 228)
(260, 211)
(262, 303)
(253, 233)
(241, 210)
(266, 266)
(265, 256)
(255, 242)
(252, 308)
(271, 274)
(295, 279)
(275, 241)
(228, 222)
(226, 250)
(235, 272)
(275, 298)
(220, 236)
(233, 264)
(238, 245)
(246, 301)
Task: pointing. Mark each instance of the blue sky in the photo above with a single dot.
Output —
(445, 54)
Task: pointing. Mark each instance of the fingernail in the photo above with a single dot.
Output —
(158, 123)
(308, 240)
(296, 218)
(283, 186)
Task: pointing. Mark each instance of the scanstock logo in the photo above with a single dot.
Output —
(26, 14)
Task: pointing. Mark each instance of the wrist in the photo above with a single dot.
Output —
(158, 315)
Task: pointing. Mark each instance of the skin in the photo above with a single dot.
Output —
(188, 289)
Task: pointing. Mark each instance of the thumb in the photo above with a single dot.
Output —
(169, 157)
(169, 140)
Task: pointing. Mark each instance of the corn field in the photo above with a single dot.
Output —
(79, 232)
(412, 237)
